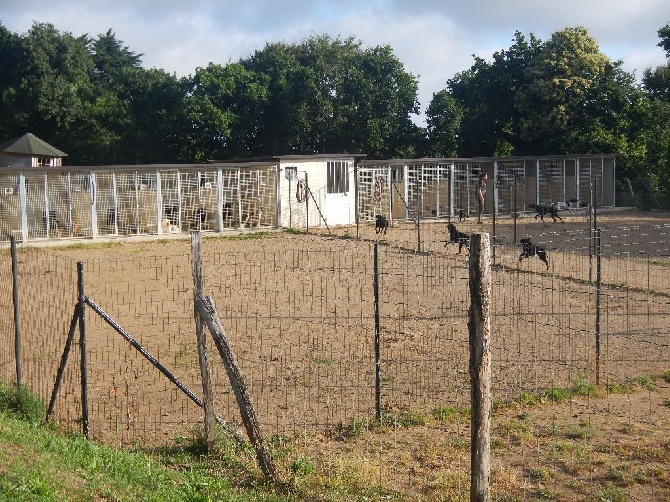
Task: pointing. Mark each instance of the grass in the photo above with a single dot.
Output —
(420, 447)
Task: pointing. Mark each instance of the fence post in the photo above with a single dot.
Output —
(17, 323)
(479, 329)
(598, 287)
(206, 308)
(196, 263)
(82, 347)
(418, 225)
(378, 394)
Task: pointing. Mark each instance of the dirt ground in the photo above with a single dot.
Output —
(298, 312)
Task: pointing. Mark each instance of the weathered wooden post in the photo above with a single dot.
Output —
(479, 329)
(378, 363)
(206, 308)
(207, 399)
(17, 329)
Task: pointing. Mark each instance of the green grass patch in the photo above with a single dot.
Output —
(21, 403)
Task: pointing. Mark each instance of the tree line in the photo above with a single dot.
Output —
(91, 97)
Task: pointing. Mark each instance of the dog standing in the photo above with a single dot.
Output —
(528, 249)
(548, 209)
(457, 237)
(381, 224)
(461, 215)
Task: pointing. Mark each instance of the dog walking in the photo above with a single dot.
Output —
(481, 192)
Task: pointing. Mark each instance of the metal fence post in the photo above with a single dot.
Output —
(82, 346)
(378, 399)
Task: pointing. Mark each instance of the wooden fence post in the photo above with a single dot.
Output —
(207, 399)
(479, 329)
(17, 310)
(206, 308)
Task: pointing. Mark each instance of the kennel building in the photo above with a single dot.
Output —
(42, 199)
(434, 188)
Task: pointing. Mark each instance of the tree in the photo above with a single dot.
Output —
(224, 107)
(11, 57)
(443, 119)
(50, 83)
(134, 115)
(654, 166)
(331, 95)
(485, 93)
(559, 84)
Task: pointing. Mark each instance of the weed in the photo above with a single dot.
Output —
(353, 429)
(294, 231)
(527, 399)
(249, 236)
(21, 403)
(557, 395)
(579, 431)
(582, 387)
(610, 494)
(642, 381)
(445, 413)
(302, 466)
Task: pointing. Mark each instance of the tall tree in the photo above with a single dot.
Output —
(51, 84)
(12, 56)
(655, 167)
(223, 107)
(444, 117)
(559, 85)
(486, 93)
(331, 95)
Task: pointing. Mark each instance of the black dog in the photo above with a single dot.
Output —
(461, 215)
(548, 209)
(381, 224)
(529, 249)
(456, 237)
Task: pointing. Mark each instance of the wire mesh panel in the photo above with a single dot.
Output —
(551, 182)
(463, 194)
(511, 186)
(434, 183)
(198, 195)
(35, 206)
(127, 202)
(230, 207)
(170, 201)
(252, 199)
(10, 207)
(106, 203)
(375, 193)
(80, 204)
(591, 180)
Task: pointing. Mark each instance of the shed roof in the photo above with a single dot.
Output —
(29, 144)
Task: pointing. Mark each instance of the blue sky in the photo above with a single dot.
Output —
(435, 39)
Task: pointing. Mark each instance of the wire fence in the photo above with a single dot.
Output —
(299, 313)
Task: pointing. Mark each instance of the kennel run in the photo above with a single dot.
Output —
(41, 199)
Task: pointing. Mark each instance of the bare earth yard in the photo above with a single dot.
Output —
(298, 311)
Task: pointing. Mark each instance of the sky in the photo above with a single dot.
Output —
(434, 39)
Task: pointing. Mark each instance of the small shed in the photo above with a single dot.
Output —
(29, 151)
(317, 190)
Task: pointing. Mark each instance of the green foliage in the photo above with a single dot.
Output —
(20, 402)
(302, 466)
